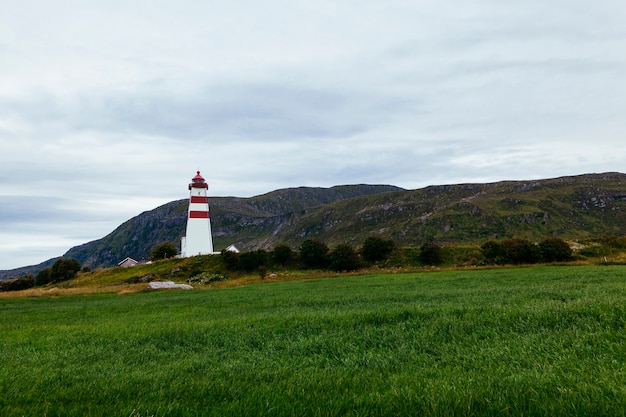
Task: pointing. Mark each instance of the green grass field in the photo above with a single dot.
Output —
(541, 341)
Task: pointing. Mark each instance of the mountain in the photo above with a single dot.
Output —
(249, 223)
(574, 207)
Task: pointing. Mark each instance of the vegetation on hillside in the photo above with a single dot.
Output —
(234, 220)
(163, 250)
(571, 208)
(313, 254)
(63, 269)
(574, 209)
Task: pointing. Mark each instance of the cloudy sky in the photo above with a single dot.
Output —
(107, 108)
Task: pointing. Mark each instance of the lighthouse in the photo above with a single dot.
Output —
(198, 240)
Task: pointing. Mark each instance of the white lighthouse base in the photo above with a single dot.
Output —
(198, 242)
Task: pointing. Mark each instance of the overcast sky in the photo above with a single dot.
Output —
(107, 108)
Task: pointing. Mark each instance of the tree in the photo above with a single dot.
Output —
(520, 251)
(282, 255)
(314, 254)
(42, 277)
(555, 250)
(377, 249)
(251, 261)
(64, 269)
(17, 283)
(163, 251)
(231, 259)
(344, 258)
(493, 252)
(431, 254)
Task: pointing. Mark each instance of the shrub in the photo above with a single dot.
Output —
(520, 251)
(314, 254)
(163, 251)
(430, 254)
(555, 250)
(64, 269)
(344, 258)
(251, 261)
(42, 277)
(282, 255)
(493, 252)
(231, 259)
(617, 242)
(19, 283)
(207, 278)
(377, 249)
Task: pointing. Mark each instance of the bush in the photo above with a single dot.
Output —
(520, 251)
(163, 251)
(19, 283)
(207, 278)
(282, 255)
(376, 249)
(493, 252)
(617, 242)
(344, 258)
(251, 261)
(430, 254)
(42, 277)
(555, 250)
(511, 251)
(314, 254)
(231, 259)
(64, 269)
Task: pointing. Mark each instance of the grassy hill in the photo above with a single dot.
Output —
(570, 207)
(250, 223)
(575, 207)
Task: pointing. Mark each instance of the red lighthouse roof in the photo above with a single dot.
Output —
(198, 182)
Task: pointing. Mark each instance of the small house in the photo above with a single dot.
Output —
(127, 262)
(232, 248)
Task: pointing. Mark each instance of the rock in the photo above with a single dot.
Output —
(166, 285)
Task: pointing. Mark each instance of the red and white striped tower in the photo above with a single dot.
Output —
(198, 240)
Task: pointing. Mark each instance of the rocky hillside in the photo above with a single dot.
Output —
(569, 207)
(249, 223)
(576, 207)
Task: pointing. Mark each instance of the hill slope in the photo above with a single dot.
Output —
(569, 207)
(248, 222)
(575, 207)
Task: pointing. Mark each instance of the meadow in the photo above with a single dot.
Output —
(540, 341)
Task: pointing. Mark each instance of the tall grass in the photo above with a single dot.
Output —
(534, 341)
